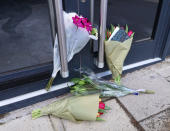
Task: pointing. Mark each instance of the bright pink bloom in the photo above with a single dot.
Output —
(76, 20)
(82, 22)
(101, 105)
(130, 33)
(88, 26)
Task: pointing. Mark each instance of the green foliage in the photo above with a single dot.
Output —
(132, 34)
(99, 119)
(48, 86)
(36, 114)
(112, 28)
(126, 30)
(82, 82)
(117, 79)
(102, 111)
(75, 80)
(94, 31)
(107, 108)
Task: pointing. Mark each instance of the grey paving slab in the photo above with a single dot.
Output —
(115, 120)
(167, 59)
(168, 79)
(145, 105)
(27, 110)
(162, 68)
(27, 124)
(57, 124)
(160, 122)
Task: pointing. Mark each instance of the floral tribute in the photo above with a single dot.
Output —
(102, 109)
(78, 33)
(82, 22)
(75, 108)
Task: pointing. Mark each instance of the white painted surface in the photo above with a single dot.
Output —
(64, 85)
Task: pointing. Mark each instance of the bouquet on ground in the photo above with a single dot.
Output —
(91, 85)
(75, 108)
(78, 32)
(117, 45)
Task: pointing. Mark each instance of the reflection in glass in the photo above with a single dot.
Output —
(25, 36)
(138, 14)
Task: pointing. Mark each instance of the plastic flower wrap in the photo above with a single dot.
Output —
(75, 108)
(91, 84)
(117, 45)
(78, 32)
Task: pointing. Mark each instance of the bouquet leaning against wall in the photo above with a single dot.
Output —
(78, 32)
(117, 45)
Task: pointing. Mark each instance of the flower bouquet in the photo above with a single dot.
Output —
(117, 45)
(78, 32)
(75, 108)
(91, 85)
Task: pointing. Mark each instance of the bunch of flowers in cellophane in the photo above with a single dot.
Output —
(91, 84)
(78, 32)
(75, 108)
(117, 45)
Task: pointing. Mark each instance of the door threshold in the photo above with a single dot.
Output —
(54, 88)
(131, 66)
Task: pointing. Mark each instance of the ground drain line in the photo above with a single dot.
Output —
(132, 119)
(154, 114)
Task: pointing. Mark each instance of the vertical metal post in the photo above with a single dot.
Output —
(52, 19)
(92, 11)
(103, 18)
(61, 37)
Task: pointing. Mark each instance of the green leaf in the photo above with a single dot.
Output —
(149, 92)
(107, 108)
(112, 28)
(94, 31)
(132, 34)
(75, 80)
(106, 35)
(50, 82)
(117, 79)
(87, 79)
(126, 30)
(81, 82)
(74, 87)
(99, 119)
(101, 110)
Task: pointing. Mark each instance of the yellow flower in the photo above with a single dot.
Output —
(100, 99)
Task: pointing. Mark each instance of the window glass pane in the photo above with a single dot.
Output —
(138, 14)
(25, 34)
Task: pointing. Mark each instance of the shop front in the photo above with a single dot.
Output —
(27, 34)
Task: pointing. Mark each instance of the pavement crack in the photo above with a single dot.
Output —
(51, 122)
(151, 116)
(132, 119)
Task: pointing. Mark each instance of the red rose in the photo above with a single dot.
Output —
(101, 105)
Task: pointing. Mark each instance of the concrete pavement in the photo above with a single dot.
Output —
(130, 113)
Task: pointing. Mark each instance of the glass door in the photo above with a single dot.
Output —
(25, 37)
(147, 18)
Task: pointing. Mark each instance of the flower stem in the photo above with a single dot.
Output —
(36, 114)
(149, 92)
(50, 82)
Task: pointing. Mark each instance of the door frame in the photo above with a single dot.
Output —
(37, 77)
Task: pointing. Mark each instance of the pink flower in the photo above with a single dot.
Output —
(82, 22)
(130, 33)
(88, 26)
(76, 20)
